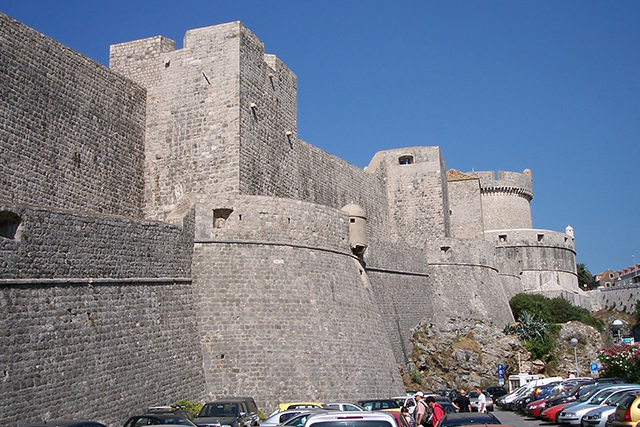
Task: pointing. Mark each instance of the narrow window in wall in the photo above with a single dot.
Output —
(220, 216)
(9, 223)
(405, 160)
(540, 237)
(502, 238)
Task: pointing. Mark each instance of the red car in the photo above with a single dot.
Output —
(551, 414)
(535, 408)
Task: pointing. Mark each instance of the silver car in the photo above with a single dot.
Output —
(598, 417)
(572, 414)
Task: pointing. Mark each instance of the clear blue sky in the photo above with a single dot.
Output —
(553, 86)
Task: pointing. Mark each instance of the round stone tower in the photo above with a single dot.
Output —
(506, 200)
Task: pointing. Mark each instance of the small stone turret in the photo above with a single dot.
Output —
(357, 228)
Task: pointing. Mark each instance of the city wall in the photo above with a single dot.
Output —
(279, 295)
(72, 131)
(200, 250)
(622, 298)
(97, 303)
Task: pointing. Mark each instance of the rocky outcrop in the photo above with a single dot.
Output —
(470, 355)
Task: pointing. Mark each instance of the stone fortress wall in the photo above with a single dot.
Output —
(230, 251)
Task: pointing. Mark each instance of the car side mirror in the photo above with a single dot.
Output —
(243, 414)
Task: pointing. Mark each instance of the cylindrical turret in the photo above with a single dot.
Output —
(505, 201)
(357, 228)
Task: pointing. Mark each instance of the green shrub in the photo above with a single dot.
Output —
(416, 375)
(556, 310)
(193, 407)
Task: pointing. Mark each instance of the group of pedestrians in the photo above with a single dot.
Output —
(428, 412)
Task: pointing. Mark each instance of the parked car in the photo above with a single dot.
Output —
(467, 418)
(342, 407)
(229, 412)
(300, 420)
(496, 392)
(378, 404)
(297, 405)
(352, 419)
(65, 423)
(279, 418)
(408, 401)
(598, 417)
(551, 414)
(161, 415)
(572, 414)
(627, 414)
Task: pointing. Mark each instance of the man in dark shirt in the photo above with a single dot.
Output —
(462, 403)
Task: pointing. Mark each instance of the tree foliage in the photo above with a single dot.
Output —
(585, 277)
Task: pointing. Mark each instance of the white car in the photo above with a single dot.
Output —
(352, 419)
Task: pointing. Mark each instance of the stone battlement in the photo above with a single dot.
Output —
(507, 183)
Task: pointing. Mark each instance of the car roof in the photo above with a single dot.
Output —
(231, 399)
(350, 416)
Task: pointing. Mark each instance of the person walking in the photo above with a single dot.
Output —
(462, 402)
(421, 411)
(482, 401)
(438, 411)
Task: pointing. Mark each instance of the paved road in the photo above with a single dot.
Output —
(514, 419)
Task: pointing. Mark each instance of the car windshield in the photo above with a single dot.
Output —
(219, 410)
(600, 396)
(298, 420)
(586, 392)
(615, 398)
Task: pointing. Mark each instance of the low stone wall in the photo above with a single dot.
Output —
(622, 298)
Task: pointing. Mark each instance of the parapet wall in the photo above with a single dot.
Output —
(622, 298)
(57, 244)
(69, 125)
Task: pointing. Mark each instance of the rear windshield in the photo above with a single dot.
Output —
(353, 423)
(219, 410)
(626, 402)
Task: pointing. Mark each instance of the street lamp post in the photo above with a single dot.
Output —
(616, 326)
(574, 343)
